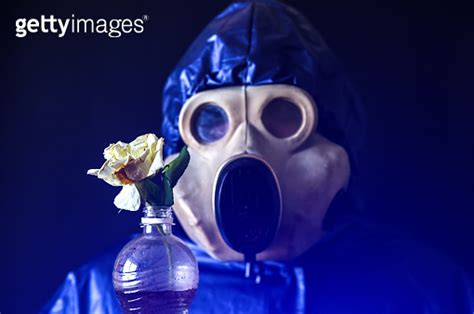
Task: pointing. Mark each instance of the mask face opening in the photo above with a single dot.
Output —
(247, 204)
(282, 118)
(209, 123)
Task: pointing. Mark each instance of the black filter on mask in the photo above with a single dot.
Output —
(247, 205)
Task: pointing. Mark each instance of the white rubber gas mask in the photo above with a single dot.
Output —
(261, 178)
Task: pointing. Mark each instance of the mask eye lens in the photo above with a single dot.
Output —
(209, 123)
(282, 118)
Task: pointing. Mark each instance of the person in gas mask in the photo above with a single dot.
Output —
(275, 134)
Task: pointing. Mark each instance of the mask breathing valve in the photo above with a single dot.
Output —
(247, 205)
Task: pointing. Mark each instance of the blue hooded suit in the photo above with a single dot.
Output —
(356, 267)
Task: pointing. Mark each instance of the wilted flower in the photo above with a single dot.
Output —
(126, 164)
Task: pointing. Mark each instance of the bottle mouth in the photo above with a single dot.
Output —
(154, 215)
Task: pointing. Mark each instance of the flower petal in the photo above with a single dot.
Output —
(156, 165)
(107, 174)
(138, 146)
(157, 162)
(136, 170)
(117, 151)
(93, 172)
(116, 165)
(128, 198)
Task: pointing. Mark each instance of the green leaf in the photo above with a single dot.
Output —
(159, 191)
(156, 194)
(175, 169)
(168, 192)
(151, 192)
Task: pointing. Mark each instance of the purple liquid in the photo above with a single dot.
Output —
(163, 302)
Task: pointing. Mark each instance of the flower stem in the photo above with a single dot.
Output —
(168, 253)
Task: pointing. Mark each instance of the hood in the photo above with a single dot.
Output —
(266, 42)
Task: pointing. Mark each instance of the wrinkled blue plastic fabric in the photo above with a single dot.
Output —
(357, 269)
(265, 42)
(222, 288)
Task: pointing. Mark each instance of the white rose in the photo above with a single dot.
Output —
(126, 164)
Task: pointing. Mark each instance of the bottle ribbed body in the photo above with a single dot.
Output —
(156, 272)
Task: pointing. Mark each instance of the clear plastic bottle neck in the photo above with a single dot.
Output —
(157, 220)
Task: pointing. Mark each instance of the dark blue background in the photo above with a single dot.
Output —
(64, 100)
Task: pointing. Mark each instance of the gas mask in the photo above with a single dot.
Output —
(261, 178)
